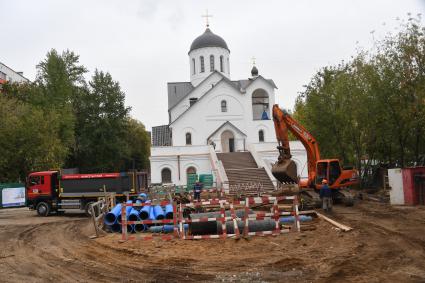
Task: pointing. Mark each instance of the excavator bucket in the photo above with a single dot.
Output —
(285, 171)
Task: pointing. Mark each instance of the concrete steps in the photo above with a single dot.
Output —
(249, 176)
(237, 160)
(242, 170)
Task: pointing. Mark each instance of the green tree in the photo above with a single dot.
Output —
(60, 77)
(101, 125)
(371, 108)
(28, 140)
(138, 145)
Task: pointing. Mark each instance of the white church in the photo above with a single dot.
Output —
(218, 125)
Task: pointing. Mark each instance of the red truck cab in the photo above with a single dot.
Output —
(41, 188)
(42, 184)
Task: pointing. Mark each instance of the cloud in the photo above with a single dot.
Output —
(148, 9)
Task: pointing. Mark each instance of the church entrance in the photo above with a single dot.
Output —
(227, 141)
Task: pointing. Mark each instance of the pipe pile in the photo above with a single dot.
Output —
(112, 219)
(215, 227)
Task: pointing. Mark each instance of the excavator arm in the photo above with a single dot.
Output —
(284, 169)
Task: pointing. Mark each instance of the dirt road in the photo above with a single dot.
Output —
(386, 245)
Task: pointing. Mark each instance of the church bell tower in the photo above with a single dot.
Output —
(208, 53)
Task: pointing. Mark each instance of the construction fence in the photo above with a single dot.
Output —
(229, 219)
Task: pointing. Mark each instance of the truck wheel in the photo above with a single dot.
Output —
(43, 208)
(88, 211)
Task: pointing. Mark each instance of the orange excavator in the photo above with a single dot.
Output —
(285, 169)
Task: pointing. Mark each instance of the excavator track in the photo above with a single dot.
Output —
(344, 196)
(309, 199)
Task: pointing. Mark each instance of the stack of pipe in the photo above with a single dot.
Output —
(215, 227)
(152, 212)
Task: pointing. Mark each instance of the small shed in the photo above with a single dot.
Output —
(395, 180)
(414, 185)
(407, 185)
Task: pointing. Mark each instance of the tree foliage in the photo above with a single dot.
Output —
(101, 125)
(61, 120)
(29, 140)
(372, 108)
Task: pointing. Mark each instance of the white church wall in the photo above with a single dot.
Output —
(234, 105)
(254, 126)
(164, 151)
(178, 160)
(197, 77)
(184, 104)
(240, 139)
(206, 115)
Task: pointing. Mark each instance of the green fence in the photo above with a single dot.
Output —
(191, 180)
(207, 181)
(12, 195)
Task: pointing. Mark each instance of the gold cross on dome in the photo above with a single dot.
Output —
(207, 16)
(253, 60)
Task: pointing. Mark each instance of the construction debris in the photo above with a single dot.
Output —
(343, 227)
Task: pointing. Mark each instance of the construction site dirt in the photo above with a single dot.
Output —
(387, 244)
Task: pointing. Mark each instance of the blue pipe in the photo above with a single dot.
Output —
(115, 228)
(128, 208)
(133, 215)
(151, 213)
(145, 212)
(158, 212)
(169, 211)
(127, 211)
(112, 216)
(165, 228)
(170, 228)
(291, 219)
(139, 227)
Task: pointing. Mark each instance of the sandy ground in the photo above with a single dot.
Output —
(386, 245)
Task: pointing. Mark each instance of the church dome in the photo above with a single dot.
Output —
(254, 71)
(208, 39)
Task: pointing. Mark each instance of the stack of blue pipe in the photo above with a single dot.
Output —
(147, 212)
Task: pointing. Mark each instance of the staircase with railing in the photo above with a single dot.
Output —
(241, 169)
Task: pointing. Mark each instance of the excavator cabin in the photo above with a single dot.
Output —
(331, 170)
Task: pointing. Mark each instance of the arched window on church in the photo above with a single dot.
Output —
(223, 106)
(166, 175)
(228, 65)
(221, 63)
(212, 63)
(193, 66)
(260, 105)
(261, 136)
(188, 138)
(201, 59)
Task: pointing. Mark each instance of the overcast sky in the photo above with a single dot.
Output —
(144, 44)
